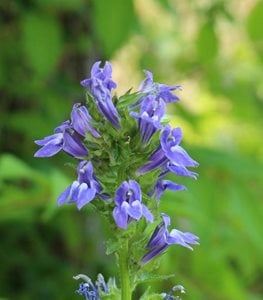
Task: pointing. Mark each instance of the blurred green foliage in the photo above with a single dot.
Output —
(215, 49)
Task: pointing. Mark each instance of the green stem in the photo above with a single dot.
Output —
(126, 292)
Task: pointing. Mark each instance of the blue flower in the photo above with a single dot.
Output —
(64, 138)
(81, 121)
(162, 238)
(89, 290)
(128, 199)
(100, 85)
(158, 90)
(169, 295)
(84, 189)
(149, 118)
(101, 284)
(170, 156)
(162, 185)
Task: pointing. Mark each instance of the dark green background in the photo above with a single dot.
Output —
(215, 50)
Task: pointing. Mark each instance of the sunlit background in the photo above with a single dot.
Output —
(214, 50)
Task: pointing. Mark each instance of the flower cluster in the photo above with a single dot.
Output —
(124, 150)
(90, 290)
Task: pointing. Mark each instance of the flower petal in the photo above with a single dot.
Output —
(121, 217)
(136, 190)
(182, 238)
(47, 139)
(181, 170)
(179, 156)
(50, 149)
(85, 195)
(81, 120)
(134, 209)
(147, 214)
(153, 253)
(63, 197)
(68, 194)
(120, 194)
(73, 145)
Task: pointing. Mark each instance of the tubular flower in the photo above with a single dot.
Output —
(89, 291)
(84, 189)
(64, 138)
(162, 238)
(128, 199)
(150, 116)
(81, 121)
(158, 90)
(169, 155)
(175, 289)
(100, 85)
(92, 291)
(162, 185)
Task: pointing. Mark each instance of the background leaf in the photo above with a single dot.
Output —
(114, 21)
(207, 43)
(254, 27)
(42, 42)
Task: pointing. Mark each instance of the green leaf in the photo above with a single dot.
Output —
(128, 99)
(58, 182)
(149, 296)
(112, 246)
(114, 21)
(206, 43)
(12, 167)
(145, 277)
(254, 27)
(42, 42)
(22, 189)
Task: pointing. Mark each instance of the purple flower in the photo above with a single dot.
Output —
(170, 156)
(180, 170)
(169, 295)
(64, 138)
(84, 189)
(158, 90)
(150, 116)
(101, 284)
(90, 290)
(100, 85)
(170, 140)
(128, 199)
(162, 185)
(81, 121)
(162, 238)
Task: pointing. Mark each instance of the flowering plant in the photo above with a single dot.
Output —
(124, 148)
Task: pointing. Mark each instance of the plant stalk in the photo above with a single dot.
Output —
(126, 293)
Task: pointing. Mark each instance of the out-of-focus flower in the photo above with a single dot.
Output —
(170, 155)
(84, 189)
(162, 238)
(129, 206)
(101, 284)
(100, 84)
(81, 121)
(64, 138)
(89, 290)
(169, 295)
(150, 116)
